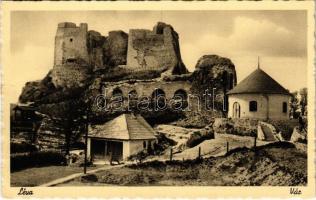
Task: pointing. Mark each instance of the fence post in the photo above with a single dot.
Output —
(171, 154)
(199, 156)
(227, 146)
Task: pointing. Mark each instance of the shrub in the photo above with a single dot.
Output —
(285, 126)
(140, 156)
(22, 147)
(36, 159)
(242, 127)
(89, 178)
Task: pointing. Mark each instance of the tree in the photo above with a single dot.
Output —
(294, 104)
(303, 101)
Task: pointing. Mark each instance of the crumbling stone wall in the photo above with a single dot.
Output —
(155, 50)
(146, 88)
(78, 50)
(115, 48)
(141, 50)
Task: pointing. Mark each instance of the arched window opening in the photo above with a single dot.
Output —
(181, 98)
(284, 107)
(117, 95)
(132, 99)
(70, 39)
(159, 98)
(252, 106)
(132, 95)
(117, 92)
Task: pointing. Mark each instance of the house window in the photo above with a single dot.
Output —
(284, 107)
(252, 106)
(144, 144)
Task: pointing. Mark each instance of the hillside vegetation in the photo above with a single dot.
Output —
(277, 164)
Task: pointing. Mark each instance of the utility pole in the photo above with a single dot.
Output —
(86, 142)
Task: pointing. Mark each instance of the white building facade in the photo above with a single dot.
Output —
(259, 97)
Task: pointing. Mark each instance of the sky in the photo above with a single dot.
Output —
(277, 37)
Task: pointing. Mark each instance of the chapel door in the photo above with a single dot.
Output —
(236, 110)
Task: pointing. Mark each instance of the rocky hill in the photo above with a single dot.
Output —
(86, 63)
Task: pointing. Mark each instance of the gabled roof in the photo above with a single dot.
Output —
(259, 82)
(123, 127)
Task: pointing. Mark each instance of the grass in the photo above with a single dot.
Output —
(39, 175)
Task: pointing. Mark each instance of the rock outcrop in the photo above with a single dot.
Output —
(145, 62)
(35, 90)
(214, 74)
(299, 135)
(268, 132)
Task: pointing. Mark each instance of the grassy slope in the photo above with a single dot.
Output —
(37, 176)
(270, 165)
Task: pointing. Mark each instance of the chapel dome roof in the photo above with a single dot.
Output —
(259, 82)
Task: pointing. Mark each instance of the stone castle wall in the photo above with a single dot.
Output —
(154, 50)
(146, 88)
(141, 50)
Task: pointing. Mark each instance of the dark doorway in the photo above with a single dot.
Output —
(114, 149)
(98, 149)
(103, 150)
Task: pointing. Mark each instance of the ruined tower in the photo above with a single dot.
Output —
(71, 43)
(71, 58)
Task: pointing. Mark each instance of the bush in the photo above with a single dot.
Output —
(89, 178)
(22, 147)
(36, 159)
(242, 127)
(285, 126)
(140, 156)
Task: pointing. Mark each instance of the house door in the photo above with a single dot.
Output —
(115, 149)
(236, 110)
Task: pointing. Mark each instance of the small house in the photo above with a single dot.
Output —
(125, 135)
(258, 96)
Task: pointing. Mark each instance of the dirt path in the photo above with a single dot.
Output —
(218, 146)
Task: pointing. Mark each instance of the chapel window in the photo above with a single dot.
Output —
(252, 106)
(284, 107)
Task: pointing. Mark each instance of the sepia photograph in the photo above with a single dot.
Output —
(153, 97)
